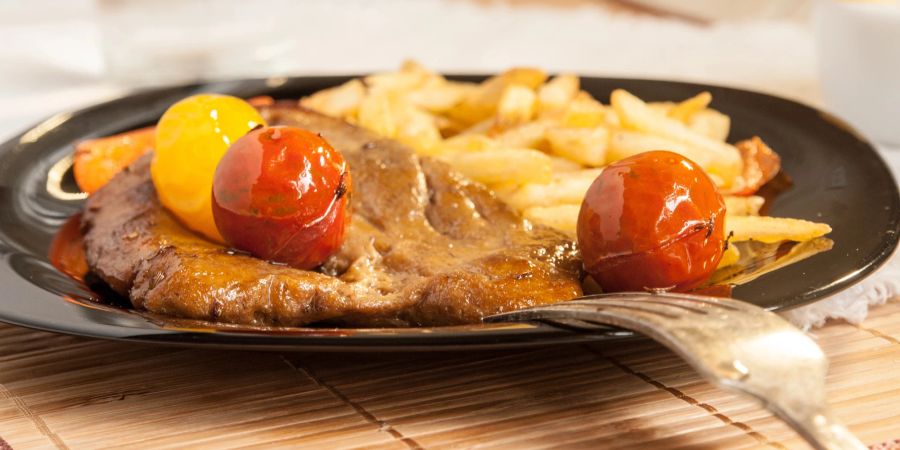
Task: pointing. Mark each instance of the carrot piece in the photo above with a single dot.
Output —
(261, 100)
(98, 160)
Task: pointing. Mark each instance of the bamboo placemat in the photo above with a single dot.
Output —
(66, 392)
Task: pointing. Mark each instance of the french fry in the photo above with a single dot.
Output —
(562, 217)
(564, 165)
(661, 108)
(410, 76)
(438, 96)
(482, 102)
(683, 111)
(524, 76)
(710, 123)
(390, 115)
(413, 66)
(484, 127)
(775, 260)
(448, 126)
(717, 157)
(624, 143)
(467, 143)
(497, 166)
(586, 146)
(417, 128)
(565, 188)
(736, 205)
(717, 180)
(584, 111)
(339, 101)
(517, 105)
(555, 95)
(730, 256)
(612, 119)
(376, 114)
(773, 229)
(528, 135)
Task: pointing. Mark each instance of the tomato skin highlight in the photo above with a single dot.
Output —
(651, 221)
(282, 194)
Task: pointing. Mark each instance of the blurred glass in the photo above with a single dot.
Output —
(858, 46)
(150, 42)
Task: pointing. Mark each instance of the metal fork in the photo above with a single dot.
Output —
(735, 345)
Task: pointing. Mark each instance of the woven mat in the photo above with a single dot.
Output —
(67, 392)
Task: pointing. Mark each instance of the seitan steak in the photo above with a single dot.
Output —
(424, 248)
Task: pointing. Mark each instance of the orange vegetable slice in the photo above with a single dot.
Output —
(98, 160)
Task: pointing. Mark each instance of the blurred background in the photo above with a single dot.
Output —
(59, 55)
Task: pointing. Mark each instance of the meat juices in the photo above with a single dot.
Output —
(424, 248)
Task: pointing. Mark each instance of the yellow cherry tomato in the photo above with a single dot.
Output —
(191, 138)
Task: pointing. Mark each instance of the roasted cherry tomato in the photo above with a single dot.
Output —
(651, 221)
(282, 194)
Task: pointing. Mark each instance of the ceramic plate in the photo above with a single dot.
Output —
(837, 178)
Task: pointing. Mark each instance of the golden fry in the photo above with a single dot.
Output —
(737, 205)
(528, 135)
(562, 217)
(516, 106)
(716, 157)
(564, 165)
(586, 146)
(773, 229)
(584, 111)
(340, 101)
(438, 96)
(417, 128)
(565, 188)
(376, 114)
(730, 256)
(683, 111)
(466, 143)
(555, 95)
(498, 166)
(625, 143)
(482, 103)
(710, 123)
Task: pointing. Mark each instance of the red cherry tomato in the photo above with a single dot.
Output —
(282, 194)
(651, 221)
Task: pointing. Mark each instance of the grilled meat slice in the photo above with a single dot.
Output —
(424, 248)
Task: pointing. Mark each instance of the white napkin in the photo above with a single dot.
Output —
(852, 304)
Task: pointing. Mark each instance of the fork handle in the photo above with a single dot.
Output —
(824, 432)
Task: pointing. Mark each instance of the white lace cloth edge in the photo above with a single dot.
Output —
(852, 304)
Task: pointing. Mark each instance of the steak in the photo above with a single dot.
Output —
(424, 247)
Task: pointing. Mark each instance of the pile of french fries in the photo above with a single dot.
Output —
(540, 142)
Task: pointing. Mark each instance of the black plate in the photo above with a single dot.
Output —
(838, 179)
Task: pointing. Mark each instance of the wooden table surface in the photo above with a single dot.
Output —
(67, 392)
